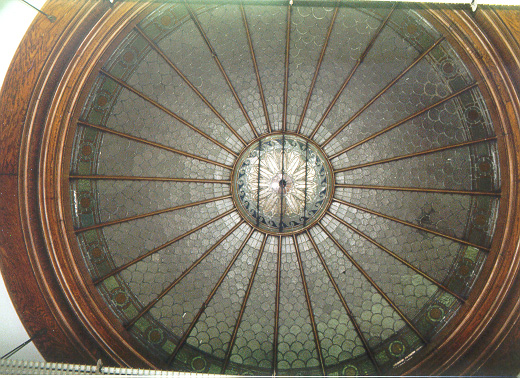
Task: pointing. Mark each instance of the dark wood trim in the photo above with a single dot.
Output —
(59, 71)
(35, 71)
(491, 311)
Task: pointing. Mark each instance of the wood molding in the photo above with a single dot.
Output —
(61, 242)
(28, 288)
(475, 335)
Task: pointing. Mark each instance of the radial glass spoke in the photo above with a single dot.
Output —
(277, 307)
(255, 65)
(343, 302)
(415, 154)
(294, 321)
(167, 111)
(395, 256)
(221, 68)
(157, 249)
(184, 274)
(309, 306)
(378, 95)
(243, 307)
(145, 178)
(192, 87)
(373, 283)
(423, 190)
(286, 68)
(409, 224)
(317, 70)
(410, 117)
(351, 73)
(153, 144)
(149, 214)
(210, 297)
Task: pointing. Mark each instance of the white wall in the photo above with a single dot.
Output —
(15, 18)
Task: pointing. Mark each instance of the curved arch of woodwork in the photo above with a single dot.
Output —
(38, 254)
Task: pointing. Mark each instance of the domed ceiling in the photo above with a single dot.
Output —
(312, 188)
(299, 189)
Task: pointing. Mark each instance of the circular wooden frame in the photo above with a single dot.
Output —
(51, 290)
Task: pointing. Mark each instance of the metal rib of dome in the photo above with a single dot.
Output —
(400, 135)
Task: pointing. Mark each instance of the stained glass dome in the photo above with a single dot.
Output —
(289, 189)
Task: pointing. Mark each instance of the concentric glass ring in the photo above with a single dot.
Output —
(282, 183)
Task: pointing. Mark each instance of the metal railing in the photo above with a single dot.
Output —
(52, 368)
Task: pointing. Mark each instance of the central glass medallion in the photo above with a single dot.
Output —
(282, 183)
